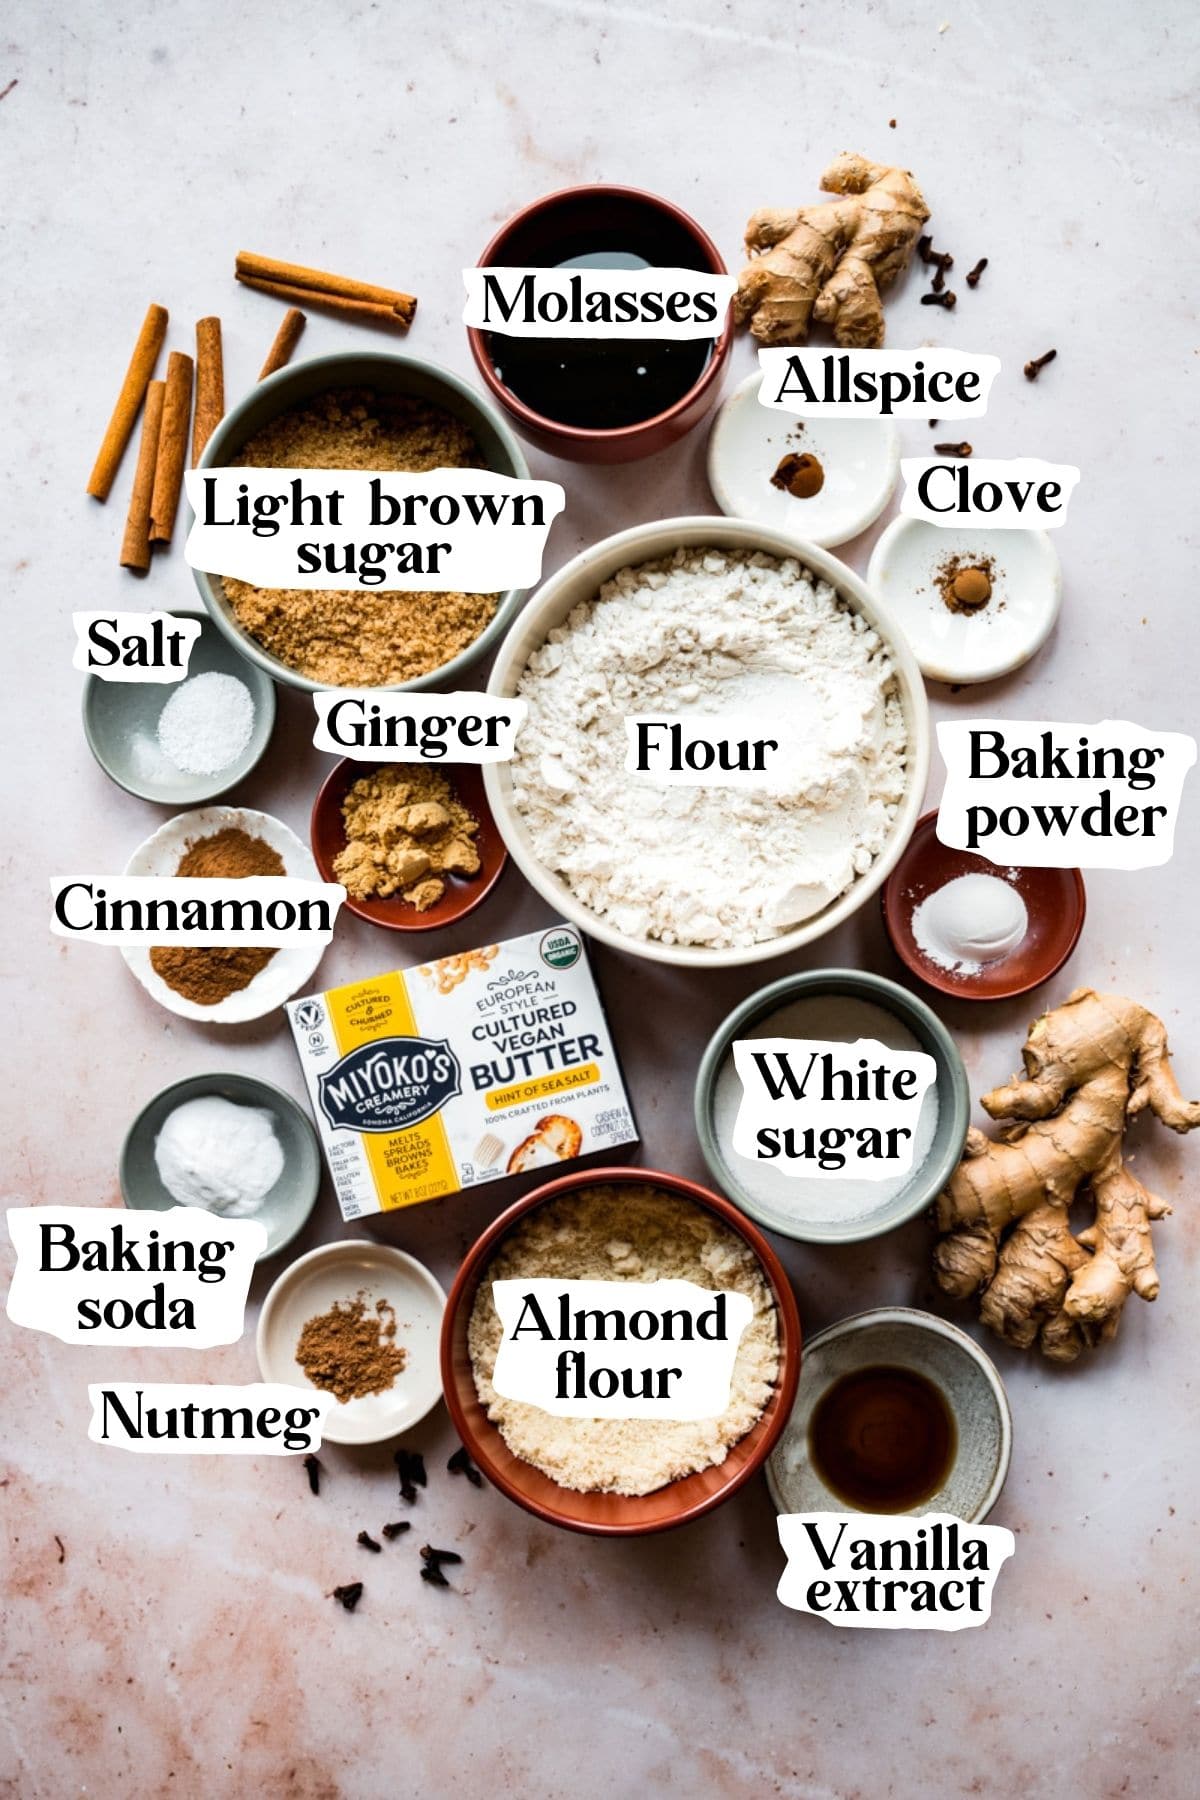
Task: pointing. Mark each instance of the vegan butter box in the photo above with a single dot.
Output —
(465, 1070)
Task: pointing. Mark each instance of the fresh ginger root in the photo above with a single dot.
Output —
(1090, 1065)
(831, 262)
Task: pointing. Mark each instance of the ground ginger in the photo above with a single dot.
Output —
(406, 830)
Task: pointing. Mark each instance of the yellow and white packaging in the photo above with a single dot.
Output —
(465, 1070)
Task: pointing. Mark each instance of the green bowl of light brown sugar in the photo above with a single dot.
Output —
(361, 411)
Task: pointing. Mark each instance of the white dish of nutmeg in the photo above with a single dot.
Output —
(973, 604)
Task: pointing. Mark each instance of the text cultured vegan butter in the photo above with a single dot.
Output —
(465, 1070)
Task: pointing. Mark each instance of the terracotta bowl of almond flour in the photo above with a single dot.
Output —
(390, 378)
(608, 1514)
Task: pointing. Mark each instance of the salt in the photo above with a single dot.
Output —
(207, 723)
(807, 1199)
(970, 922)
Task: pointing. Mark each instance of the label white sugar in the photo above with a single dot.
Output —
(1049, 795)
(99, 1275)
(901, 384)
(443, 531)
(816, 1107)
(659, 302)
(887, 1571)
(618, 1349)
(470, 728)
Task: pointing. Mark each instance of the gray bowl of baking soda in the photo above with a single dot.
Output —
(838, 1006)
(235, 1145)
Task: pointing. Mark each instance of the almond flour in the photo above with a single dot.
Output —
(630, 1233)
(352, 637)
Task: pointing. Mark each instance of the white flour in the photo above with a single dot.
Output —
(712, 632)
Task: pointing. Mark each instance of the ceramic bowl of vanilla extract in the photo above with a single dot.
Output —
(897, 1411)
(602, 399)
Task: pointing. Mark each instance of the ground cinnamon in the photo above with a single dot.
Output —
(351, 1350)
(206, 976)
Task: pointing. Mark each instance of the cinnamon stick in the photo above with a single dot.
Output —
(370, 311)
(172, 447)
(210, 384)
(135, 545)
(286, 339)
(251, 268)
(125, 412)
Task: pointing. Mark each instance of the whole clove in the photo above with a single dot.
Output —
(947, 299)
(430, 1555)
(974, 274)
(1037, 363)
(941, 259)
(939, 279)
(369, 1543)
(963, 449)
(394, 1531)
(460, 1464)
(431, 1572)
(350, 1595)
(411, 1465)
(312, 1469)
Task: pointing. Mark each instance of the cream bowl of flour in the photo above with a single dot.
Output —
(737, 629)
(834, 1006)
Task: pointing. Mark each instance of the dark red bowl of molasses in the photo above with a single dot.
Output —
(602, 400)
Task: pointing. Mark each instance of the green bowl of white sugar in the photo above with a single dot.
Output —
(838, 1006)
(182, 742)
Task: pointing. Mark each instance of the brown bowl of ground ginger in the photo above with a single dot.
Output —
(622, 1478)
(374, 411)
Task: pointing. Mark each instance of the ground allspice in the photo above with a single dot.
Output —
(208, 976)
(799, 473)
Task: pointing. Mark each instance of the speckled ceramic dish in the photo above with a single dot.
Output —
(901, 1337)
(954, 1105)
(1055, 903)
(120, 721)
(285, 1208)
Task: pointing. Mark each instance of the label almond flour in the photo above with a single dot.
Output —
(478, 1066)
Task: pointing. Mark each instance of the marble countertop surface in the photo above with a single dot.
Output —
(167, 1629)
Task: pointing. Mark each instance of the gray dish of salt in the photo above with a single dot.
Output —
(840, 1005)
